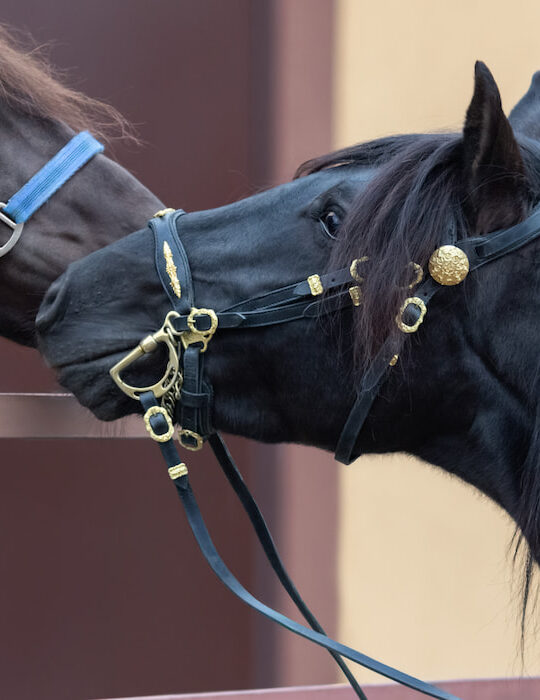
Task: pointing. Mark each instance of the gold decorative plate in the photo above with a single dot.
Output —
(448, 265)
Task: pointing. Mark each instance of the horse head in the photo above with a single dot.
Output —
(461, 391)
(38, 116)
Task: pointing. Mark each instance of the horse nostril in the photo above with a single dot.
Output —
(53, 305)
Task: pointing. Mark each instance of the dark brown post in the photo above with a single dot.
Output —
(292, 76)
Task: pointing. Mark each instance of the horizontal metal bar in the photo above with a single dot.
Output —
(489, 689)
(321, 692)
(59, 416)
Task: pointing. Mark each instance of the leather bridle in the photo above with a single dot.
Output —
(192, 329)
(187, 332)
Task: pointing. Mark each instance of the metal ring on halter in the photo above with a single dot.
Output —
(405, 327)
(16, 228)
(147, 345)
(183, 433)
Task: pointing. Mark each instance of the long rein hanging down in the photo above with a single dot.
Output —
(192, 329)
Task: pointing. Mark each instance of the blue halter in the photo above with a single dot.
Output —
(44, 184)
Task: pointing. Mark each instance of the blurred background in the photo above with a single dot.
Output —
(102, 591)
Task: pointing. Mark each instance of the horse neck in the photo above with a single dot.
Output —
(460, 401)
(99, 204)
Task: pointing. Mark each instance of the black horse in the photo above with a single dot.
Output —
(463, 394)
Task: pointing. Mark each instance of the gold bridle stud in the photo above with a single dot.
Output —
(449, 265)
(162, 212)
(315, 285)
(177, 471)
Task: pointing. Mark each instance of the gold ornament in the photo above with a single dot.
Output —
(171, 269)
(162, 212)
(315, 285)
(449, 265)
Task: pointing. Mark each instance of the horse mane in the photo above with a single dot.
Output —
(402, 216)
(406, 211)
(30, 86)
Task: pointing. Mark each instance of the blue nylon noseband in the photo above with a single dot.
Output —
(45, 182)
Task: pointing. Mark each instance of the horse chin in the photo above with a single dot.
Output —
(94, 389)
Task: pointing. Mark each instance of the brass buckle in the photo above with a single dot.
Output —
(354, 268)
(166, 334)
(193, 335)
(16, 228)
(158, 411)
(416, 301)
(418, 272)
(184, 432)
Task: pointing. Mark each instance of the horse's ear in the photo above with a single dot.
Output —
(496, 192)
(525, 117)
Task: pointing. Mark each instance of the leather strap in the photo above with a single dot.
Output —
(259, 525)
(367, 393)
(58, 170)
(41, 186)
(202, 536)
(328, 282)
(258, 522)
(291, 311)
(165, 235)
(195, 397)
(483, 249)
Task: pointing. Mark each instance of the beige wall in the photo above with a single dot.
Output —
(424, 575)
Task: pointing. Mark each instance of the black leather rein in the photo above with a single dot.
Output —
(183, 381)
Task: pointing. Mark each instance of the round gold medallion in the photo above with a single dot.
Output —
(449, 265)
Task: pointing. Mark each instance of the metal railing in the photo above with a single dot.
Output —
(490, 689)
(59, 416)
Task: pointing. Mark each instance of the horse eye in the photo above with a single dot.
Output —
(331, 221)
